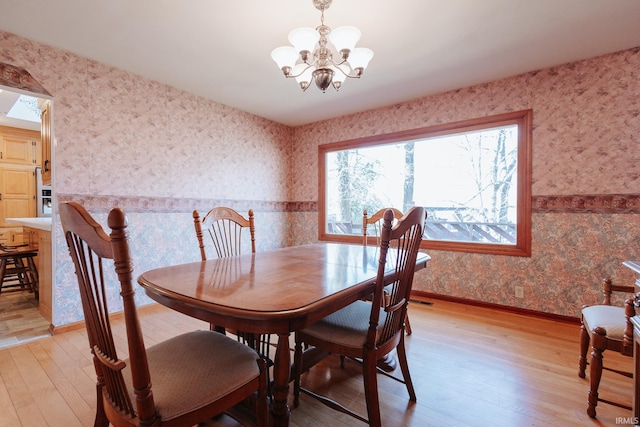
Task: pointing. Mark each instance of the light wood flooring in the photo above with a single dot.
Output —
(20, 319)
(471, 367)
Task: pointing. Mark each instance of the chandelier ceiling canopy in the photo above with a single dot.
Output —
(323, 55)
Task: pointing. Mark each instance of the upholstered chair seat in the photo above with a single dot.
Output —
(191, 371)
(611, 318)
(347, 327)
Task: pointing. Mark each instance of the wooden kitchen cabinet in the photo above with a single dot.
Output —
(20, 152)
(17, 192)
(40, 240)
(20, 147)
(45, 274)
(5, 236)
(10, 236)
(45, 136)
(31, 237)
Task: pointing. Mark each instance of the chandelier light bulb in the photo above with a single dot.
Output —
(360, 57)
(285, 56)
(340, 72)
(344, 37)
(304, 38)
(326, 56)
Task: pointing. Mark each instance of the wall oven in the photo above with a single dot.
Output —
(43, 196)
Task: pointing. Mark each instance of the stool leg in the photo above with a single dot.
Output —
(23, 277)
(3, 268)
(35, 278)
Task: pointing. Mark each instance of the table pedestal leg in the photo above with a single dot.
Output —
(281, 369)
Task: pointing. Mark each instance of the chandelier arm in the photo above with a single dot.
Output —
(337, 66)
(302, 72)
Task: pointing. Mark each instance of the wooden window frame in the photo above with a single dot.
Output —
(523, 119)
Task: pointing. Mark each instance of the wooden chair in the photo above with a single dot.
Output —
(18, 269)
(375, 221)
(369, 330)
(224, 226)
(182, 381)
(605, 327)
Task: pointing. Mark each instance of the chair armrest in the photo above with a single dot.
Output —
(608, 288)
(114, 365)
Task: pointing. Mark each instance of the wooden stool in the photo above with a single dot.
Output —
(18, 270)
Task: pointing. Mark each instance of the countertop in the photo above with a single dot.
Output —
(39, 223)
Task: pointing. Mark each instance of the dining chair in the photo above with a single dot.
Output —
(182, 381)
(225, 226)
(375, 222)
(369, 330)
(605, 327)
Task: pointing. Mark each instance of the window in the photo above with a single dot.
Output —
(473, 178)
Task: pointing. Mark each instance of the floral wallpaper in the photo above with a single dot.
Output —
(158, 152)
(586, 180)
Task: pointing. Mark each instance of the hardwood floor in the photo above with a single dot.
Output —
(20, 319)
(470, 366)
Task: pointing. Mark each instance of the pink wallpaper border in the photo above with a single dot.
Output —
(609, 203)
(169, 204)
(595, 203)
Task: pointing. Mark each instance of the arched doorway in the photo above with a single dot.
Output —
(23, 317)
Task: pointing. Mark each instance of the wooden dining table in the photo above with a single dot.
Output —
(272, 292)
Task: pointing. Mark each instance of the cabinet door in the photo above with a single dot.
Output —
(5, 236)
(17, 193)
(12, 236)
(20, 146)
(16, 150)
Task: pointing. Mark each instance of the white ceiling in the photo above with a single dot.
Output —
(221, 49)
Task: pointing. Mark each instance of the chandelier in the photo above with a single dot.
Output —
(312, 55)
